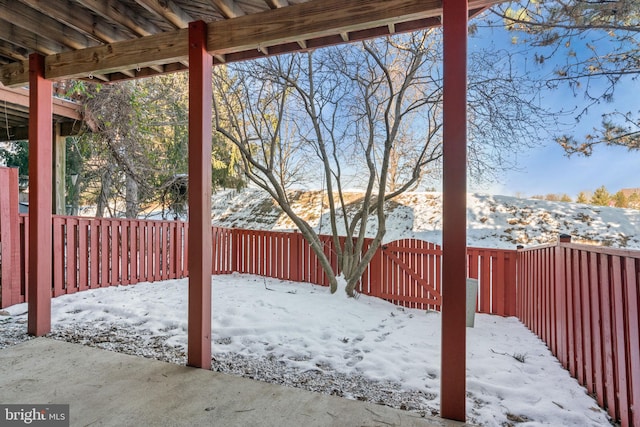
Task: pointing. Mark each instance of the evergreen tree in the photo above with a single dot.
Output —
(582, 198)
(620, 200)
(601, 197)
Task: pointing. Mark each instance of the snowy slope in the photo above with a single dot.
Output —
(493, 221)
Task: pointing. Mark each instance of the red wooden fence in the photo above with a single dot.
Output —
(98, 252)
(583, 301)
(91, 253)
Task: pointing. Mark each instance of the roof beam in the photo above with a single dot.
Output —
(311, 20)
(304, 21)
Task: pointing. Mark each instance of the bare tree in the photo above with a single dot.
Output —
(368, 114)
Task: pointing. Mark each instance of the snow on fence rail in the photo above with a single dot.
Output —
(583, 301)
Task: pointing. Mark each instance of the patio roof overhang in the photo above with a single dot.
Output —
(14, 115)
(125, 39)
(131, 39)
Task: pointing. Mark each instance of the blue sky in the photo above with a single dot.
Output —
(546, 169)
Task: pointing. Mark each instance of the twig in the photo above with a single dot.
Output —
(520, 357)
(266, 287)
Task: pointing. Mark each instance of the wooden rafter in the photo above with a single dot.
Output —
(277, 4)
(117, 12)
(168, 10)
(228, 8)
(80, 19)
(28, 40)
(31, 20)
(10, 51)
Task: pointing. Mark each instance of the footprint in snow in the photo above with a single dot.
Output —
(382, 337)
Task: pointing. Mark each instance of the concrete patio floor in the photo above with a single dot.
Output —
(113, 389)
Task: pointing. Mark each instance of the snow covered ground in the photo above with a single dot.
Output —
(298, 334)
(492, 221)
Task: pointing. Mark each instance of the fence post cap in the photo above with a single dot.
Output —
(565, 238)
(520, 247)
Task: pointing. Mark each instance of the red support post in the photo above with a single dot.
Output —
(454, 211)
(200, 248)
(40, 197)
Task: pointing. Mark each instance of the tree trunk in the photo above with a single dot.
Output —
(131, 197)
(105, 190)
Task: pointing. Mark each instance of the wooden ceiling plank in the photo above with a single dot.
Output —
(30, 41)
(228, 8)
(31, 20)
(120, 14)
(80, 19)
(168, 10)
(11, 51)
(277, 4)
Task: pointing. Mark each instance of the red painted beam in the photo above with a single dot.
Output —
(40, 197)
(454, 210)
(200, 107)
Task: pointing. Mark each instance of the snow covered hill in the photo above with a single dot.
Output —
(493, 221)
